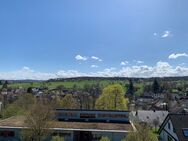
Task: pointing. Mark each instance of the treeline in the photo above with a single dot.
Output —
(73, 79)
(19, 81)
(183, 78)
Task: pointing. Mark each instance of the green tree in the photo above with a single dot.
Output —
(20, 106)
(84, 100)
(130, 90)
(5, 85)
(29, 90)
(26, 135)
(104, 139)
(112, 98)
(25, 101)
(94, 90)
(60, 88)
(12, 110)
(75, 87)
(156, 123)
(56, 102)
(57, 138)
(1, 82)
(143, 133)
(86, 87)
(68, 102)
(155, 86)
(38, 119)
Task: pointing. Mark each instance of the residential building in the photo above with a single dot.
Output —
(174, 128)
(150, 117)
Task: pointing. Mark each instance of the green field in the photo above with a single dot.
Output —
(67, 84)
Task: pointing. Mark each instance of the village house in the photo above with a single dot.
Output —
(144, 102)
(151, 117)
(174, 128)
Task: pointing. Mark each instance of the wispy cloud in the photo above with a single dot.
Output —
(166, 34)
(123, 63)
(94, 66)
(138, 61)
(85, 58)
(81, 58)
(96, 58)
(177, 55)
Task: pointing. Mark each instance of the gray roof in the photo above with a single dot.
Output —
(149, 116)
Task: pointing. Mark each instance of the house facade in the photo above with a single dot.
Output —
(174, 128)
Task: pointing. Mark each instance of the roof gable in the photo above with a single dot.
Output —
(180, 122)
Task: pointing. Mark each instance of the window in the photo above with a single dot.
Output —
(112, 116)
(62, 134)
(185, 132)
(87, 115)
(66, 114)
(7, 133)
(169, 126)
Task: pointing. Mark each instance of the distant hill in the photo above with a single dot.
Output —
(22, 81)
(184, 78)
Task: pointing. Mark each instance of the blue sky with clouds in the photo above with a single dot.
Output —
(46, 39)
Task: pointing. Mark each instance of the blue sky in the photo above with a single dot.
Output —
(67, 38)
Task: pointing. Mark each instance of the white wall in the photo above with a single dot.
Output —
(164, 135)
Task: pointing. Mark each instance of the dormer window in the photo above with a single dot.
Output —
(185, 132)
(169, 126)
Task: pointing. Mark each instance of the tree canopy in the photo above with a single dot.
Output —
(38, 119)
(131, 88)
(68, 102)
(155, 86)
(57, 138)
(104, 139)
(112, 98)
(143, 133)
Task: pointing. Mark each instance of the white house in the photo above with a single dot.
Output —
(174, 128)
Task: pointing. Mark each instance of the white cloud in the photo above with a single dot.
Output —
(26, 68)
(26, 73)
(94, 66)
(139, 61)
(175, 56)
(69, 73)
(81, 58)
(161, 69)
(123, 63)
(154, 34)
(96, 58)
(166, 34)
